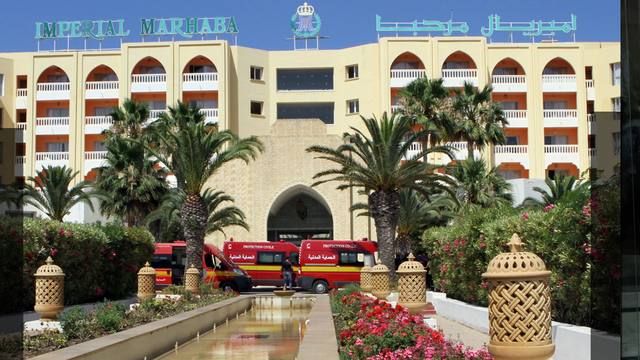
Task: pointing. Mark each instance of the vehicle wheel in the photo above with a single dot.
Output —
(229, 286)
(320, 287)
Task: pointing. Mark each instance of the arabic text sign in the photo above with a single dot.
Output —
(94, 29)
(425, 25)
(532, 28)
(187, 27)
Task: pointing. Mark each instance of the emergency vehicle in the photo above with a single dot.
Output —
(263, 260)
(170, 261)
(328, 264)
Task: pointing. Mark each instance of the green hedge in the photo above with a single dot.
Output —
(11, 279)
(98, 261)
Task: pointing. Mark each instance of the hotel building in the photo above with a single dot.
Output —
(562, 101)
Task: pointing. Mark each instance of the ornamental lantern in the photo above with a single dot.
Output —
(380, 280)
(49, 291)
(366, 283)
(146, 282)
(192, 279)
(519, 305)
(412, 285)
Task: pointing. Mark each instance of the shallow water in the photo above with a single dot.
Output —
(261, 334)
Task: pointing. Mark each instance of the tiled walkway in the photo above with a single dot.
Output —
(458, 332)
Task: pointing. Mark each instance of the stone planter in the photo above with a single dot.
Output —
(380, 278)
(192, 280)
(412, 285)
(146, 282)
(366, 283)
(49, 291)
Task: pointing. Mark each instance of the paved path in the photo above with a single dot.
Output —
(458, 332)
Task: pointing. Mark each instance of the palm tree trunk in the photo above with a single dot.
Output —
(470, 149)
(385, 210)
(403, 244)
(194, 221)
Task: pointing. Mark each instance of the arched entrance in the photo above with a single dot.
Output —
(298, 213)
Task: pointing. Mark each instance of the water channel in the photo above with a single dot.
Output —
(264, 333)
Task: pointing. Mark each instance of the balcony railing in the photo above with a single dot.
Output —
(414, 149)
(22, 126)
(21, 160)
(149, 78)
(395, 108)
(102, 85)
(591, 117)
(511, 149)
(209, 112)
(52, 121)
(21, 92)
(509, 79)
(558, 79)
(459, 73)
(95, 155)
(593, 152)
(515, 114)
(549, 114)
(408, 74)
(200, 77)
(52, 156)
(154, 114)
(61, 86)
(561, 149)
(589, 84)
(99, 120)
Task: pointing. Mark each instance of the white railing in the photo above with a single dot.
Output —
(52, 121)
(61, 86)
(558, 79)
(95, 155)
(561, 149)
(515, 114)
(591, 117)
(102, 85)
(52, 156)
(395, 108)
(200, 77)
(509, 79)
(154, 114)
(459, 73)
(593, 152)
(22, 126)
(459, 145)
(549, 114)
(408, 74)
(99, 120)
(21, 92)
(149, 78)
(510, 149)
(20, 160)
(209, 112)
(589, 83)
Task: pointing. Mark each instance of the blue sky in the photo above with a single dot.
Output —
(265, 24)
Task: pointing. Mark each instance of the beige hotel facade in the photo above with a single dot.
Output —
(560, 99)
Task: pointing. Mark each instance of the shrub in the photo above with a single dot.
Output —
(11, 268)
(73, 320)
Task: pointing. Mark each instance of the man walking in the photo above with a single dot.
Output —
(287, 268)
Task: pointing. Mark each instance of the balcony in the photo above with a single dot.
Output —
(511, 154)
(52, 126)
(560, 118)
(414, 150)
(457, 77)
(395, 108)
(402, 78)
(561, 154)
(517, 118)
(21, 166)
(210, 115)
(21, 132)
(96, 124)
(593, 158)
(200, 82)
(21, 99)
(149, 83)
(461, 153)
(53, 91)
(591, 91)
(102, 90)
(93, 159)
(591, 121)
(509, 83)
(44, 159)
(559, 83)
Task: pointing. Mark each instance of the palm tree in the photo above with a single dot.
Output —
(128, 120)
(52, 194)
(478, 121)
(11, 194)
(481, 185)
(376, 164)
(193, 152)
(560, 187)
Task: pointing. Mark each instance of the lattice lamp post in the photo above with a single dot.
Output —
(519, 305)
(49, 291)
(192, 279)
(146, 282)
(412, 285)
(366, 283)
(380, 279)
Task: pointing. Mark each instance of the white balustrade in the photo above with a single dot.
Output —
(591, 117)
(395, 108)
(459, 145)
(102, 85)
(593, 152)
(548, 114)
(510, 149)
(95, 155)
(515, 114)
(154, 114)
(22, 126)
(508, 79)
(407, 74)
(21, 160)
(200, 77)
(52, 121)
(21, 92)
(558, 79)
(589, 84)
(459, 73)
(59, 86)
(52, 156)
(561, 149)
(99, 120)
(209, 113)
(414, 149)
(148, 78)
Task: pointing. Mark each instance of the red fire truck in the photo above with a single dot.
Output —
(170, 261)
(263, 260)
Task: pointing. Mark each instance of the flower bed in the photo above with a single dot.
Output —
(374, 330)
